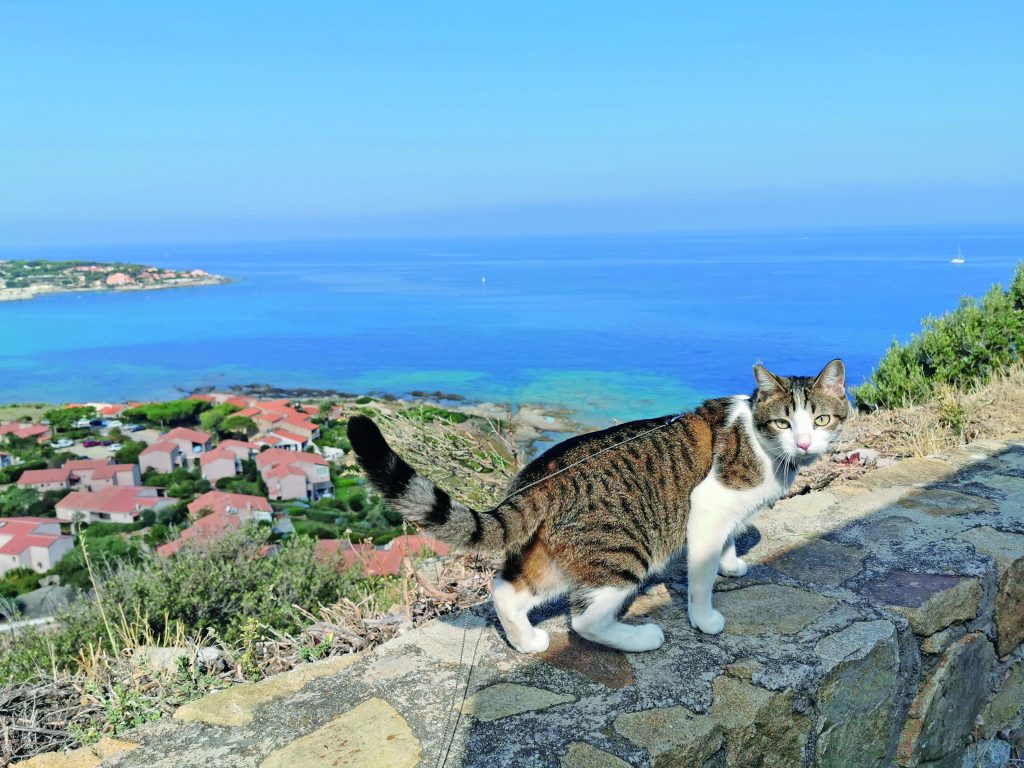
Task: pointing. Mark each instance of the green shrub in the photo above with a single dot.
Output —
(221, 588)
(428, 413)
(958, 349)
(17, 581)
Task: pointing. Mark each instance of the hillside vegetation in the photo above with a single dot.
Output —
(962, 348)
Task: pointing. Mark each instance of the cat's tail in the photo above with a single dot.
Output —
(421, 502)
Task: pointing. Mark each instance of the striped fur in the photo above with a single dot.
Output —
(600, 513)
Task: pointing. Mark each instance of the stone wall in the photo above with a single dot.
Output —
(880, 625)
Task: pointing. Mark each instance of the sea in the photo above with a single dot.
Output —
(613, 327)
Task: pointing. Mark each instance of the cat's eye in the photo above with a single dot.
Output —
(822, 420)
(780, 424)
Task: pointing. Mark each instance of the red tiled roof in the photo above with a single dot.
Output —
(111, 410)
(379, 560)
(204, 398)
(112, 499)
(275, 455)
(21, 429)
(237, 444)
(38, 476)
(108, 471)
(161, 446)
(184, 433)
(219, 521)
(79, 464)
(290, 436)
(241, 402)
(220, 501)
(248, 412)
(24, 533)
(216, 454)
(280, 470)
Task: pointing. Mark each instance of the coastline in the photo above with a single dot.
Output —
(34, 291)
(533, 422)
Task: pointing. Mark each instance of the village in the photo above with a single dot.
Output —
(105, 471)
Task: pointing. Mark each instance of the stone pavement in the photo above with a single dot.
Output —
(880, 624)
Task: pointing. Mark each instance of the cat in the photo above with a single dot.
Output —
(598, 514)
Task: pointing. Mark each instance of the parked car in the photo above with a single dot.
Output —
(106, 443)
(83, 423)
(133, 428)
(116, 446)
(65, 443)
(90, 443)
(113, 424)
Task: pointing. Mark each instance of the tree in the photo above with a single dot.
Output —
(238, 426)
(28, 502)
(63, 419)
(172, 412)
(129, 452)
(212, 419)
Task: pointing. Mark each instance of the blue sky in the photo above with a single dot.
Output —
(136, 122)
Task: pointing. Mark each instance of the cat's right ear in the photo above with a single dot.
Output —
(768, 384)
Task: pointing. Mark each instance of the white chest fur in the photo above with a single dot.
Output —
(719, 504)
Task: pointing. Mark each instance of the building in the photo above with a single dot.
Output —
(44, 480)
(290, 441)
(162, 456)
(32, 542)
(120, 475)
(112, 504)
(218, 463)
(240, 448)
(383, 560)
(191, 442)
(82, 470)
(216, 513)
(37, 432)
(294, 474)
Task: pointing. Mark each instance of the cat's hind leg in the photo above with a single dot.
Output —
(528, 579)
(595, 616)
(730, 564)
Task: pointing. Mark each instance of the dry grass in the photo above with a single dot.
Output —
(113, 693)
(20, 411)
(988, 410)
(984, 411)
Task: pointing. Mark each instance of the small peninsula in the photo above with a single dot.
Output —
(21, 280)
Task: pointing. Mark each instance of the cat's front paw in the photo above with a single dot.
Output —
(738, 567)
(710, 623)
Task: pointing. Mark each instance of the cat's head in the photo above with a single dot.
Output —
(799, 416)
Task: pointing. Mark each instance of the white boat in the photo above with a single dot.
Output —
(959, 258)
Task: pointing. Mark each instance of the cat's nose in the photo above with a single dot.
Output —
(803, 445)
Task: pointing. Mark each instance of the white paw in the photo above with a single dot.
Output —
(710, 623)
(647, 637)
(536, 642)
(737, 567)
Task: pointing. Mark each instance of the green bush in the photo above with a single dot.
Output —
(17, 581)
(222, 587)
(961, 348)
(428, 413)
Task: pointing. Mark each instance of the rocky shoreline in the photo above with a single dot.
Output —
(34, 291)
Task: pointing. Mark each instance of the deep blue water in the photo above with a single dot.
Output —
(614, 326)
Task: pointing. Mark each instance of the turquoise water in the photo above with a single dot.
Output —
(617, 327)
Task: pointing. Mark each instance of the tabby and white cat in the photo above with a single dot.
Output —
(600, 513)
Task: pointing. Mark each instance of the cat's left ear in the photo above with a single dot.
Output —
(832, 379)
